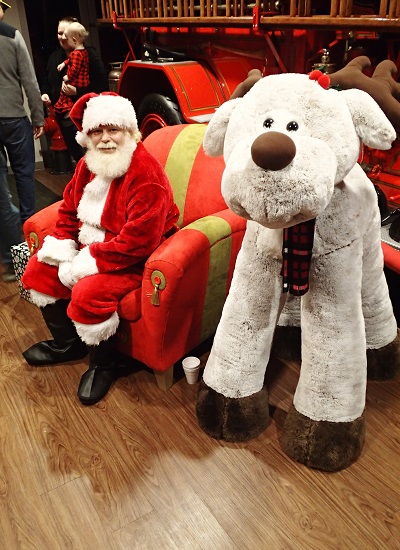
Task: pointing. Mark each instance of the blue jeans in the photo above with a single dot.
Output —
(16, 138)
(10, 222)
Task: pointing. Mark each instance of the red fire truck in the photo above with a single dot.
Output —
(195, 52)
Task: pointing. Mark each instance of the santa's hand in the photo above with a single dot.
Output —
(83, 264)
(65, 274)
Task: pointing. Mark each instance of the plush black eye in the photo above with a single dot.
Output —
(292, 126)
(268, 122)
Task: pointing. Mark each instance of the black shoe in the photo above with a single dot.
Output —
(102, 372)
(47, 353)
(95, 383)
(66, 344)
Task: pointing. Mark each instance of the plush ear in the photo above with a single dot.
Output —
(213, 141)
(370, 122)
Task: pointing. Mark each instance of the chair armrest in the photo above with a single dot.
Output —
(184, 249)
(39, 225)
(197, 265)
(392, 257)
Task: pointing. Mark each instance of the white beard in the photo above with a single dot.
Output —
(110, 165)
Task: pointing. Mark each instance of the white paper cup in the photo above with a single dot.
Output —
(191, 367)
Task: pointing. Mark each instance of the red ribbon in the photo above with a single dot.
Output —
(322, 78)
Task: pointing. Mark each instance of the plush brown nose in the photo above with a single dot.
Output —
(273, 151)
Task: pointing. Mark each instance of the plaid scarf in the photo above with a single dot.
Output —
(296, 252)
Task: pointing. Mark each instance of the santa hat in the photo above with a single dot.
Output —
(105, 109)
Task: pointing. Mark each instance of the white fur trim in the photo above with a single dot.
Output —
(93, 334)
(83, 265)
(89, 234)
(41, 300)
(56, 250)
(81, 139)
(91, 205)
(106, 110)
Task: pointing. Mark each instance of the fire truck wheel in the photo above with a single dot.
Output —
(157, 111)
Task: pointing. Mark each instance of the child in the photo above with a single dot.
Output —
(77, 66)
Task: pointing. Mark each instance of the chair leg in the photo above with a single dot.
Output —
(165, 379)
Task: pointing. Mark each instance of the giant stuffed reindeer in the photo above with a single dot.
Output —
(291, 147)
(383, 87)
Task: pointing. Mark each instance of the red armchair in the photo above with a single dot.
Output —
(186, 280)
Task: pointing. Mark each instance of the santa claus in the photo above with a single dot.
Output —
(115, 212)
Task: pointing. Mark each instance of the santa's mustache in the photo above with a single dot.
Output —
(109, 146)
(106, 167)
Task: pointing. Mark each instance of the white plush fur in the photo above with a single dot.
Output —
(347, 307)
(56, 250)
(92, 335)
(359, 104)
(214, 139)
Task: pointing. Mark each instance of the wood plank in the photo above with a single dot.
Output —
(383, 8)
(334, 8)
(178, 528)
(276, 22)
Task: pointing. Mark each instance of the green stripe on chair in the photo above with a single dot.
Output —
(218, 232)
(216, 287)
(214, 227)
(185, 147)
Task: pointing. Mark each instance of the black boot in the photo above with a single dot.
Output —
(66, 346)
(102, 372)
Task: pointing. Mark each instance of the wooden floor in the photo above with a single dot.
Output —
(56, 183)
(135, 472)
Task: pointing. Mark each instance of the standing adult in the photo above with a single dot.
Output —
(53, 83)
(16, 136)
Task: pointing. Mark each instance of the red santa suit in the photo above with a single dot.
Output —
(104, 233)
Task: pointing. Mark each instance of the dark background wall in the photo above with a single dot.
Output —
(42, 20)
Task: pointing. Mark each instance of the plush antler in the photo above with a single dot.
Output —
(241, 89)
(381, 86)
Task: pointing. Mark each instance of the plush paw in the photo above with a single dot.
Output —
(287, 343)
(384, 363)
(328, 446)
(232, 419)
